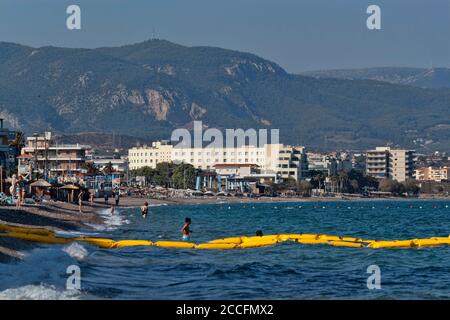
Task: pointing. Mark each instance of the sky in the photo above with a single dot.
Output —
(299, 35)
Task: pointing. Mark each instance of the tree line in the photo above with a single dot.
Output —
(169, 175)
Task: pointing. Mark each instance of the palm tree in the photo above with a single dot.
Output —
(91, 169)
(108, 169)
(343, 180)
(18, 142)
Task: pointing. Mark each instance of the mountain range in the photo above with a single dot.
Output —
(148, 89)
(434, 78)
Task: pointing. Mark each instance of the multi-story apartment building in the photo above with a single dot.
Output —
(323, 163)
(287, 161)
(150, 156)
(396, 164)
(432, 174)
(43, 155)
(330, 164)
(119, 165)
(236, 170)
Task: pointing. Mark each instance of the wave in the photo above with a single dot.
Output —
(39, 292)
(76, 250)
(111, 221)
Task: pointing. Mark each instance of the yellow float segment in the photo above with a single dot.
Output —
(98, 242)
(217, 246)
(312, 241)
(270, 237)
(235, 240)
(38, 231)
(38, 238)
(328, 237)
(261, 242)
(175, 244)
(132, 243)
(346, 244)
(442, 240)
(392, 244)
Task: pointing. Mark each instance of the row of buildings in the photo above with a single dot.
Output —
(287, 161)
(44, 155)
(400, 165)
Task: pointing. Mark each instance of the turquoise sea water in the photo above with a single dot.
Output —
(284, 271)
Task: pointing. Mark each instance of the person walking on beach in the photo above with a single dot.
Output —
(22, 187)
(144, 210)
(186, 231)
(80, 201)
(91, 198)
(12, 189)
(19, 193)
(117, 198)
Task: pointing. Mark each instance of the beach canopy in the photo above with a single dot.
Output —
(40, 183)
(70, 187)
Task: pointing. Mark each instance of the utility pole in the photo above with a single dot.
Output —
(35, 163)
(46, 157)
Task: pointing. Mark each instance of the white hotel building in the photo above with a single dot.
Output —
(286, 161)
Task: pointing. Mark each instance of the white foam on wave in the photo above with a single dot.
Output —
(150, 205)
(111, 221)
(39, 292)
(71, 234)
(157, 204)
(76, 250)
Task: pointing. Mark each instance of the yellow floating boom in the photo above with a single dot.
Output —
(242, 242)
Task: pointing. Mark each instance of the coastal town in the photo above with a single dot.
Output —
(227, 158)
(48, 170)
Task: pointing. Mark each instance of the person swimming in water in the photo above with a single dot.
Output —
(186, 231)
(144, 210)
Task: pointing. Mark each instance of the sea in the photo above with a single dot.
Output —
(284, 271)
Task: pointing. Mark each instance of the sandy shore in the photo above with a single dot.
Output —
(139, 201)
(65, 216)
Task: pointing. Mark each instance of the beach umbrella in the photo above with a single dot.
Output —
(40, 183)
(70, 187)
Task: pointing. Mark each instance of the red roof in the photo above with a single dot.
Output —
(25, 156)
(244, 165)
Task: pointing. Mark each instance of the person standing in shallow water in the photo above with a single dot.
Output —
(144, 210)
(80, 201)
(186, 231)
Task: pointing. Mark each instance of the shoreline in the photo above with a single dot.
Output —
(62, 216)
(138, 201)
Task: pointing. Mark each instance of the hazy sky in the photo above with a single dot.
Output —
(297, 34)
